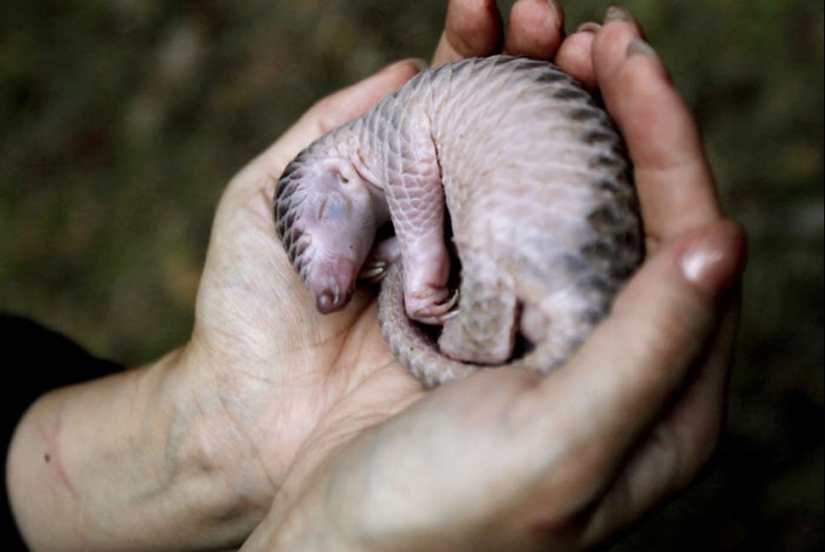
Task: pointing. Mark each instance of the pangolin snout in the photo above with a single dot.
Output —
(332, 283)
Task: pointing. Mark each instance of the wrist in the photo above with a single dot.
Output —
(315, 511)
(126, 461)
(217, 487)
(211, 442)
(299, 522)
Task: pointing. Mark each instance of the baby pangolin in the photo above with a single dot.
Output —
(540, 210)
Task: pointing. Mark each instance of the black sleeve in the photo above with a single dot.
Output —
(36, 361)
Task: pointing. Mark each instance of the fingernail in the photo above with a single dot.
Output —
(558, 12)
(617, 12)
(589, 27)
(642, 47)
(418, 63)
(715, 260)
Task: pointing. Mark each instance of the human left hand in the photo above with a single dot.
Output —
(509, 460)
(270, 399)
(282, 374)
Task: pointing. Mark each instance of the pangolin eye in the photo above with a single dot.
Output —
(333, 206)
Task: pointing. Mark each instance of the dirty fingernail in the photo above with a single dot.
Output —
(419, 64)
(617, 12)
(589, 27)
(558, 12)
(642, 47)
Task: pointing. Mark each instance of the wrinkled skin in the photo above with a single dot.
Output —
(543, 215)
(301, 429)
(388, 467)
(324, 208)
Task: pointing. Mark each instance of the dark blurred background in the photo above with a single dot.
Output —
(122, 120)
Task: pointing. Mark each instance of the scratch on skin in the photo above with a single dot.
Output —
(52, 456)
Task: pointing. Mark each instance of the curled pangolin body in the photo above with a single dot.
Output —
(541, 204)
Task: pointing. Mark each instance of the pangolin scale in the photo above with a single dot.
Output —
(540, 203)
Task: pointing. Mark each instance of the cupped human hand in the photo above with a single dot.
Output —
(272, 374)
(315, 412)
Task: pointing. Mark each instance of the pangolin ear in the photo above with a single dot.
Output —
(298, 187)
(288, 192)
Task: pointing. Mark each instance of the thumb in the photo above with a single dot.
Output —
(339, 108)
(245, 254)
(641, 355)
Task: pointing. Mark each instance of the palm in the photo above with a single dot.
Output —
(283, 356)
(302, 388)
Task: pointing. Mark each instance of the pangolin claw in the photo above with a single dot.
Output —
(438, 313)
(375, 272)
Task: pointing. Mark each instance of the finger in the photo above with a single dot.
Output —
(339, 108)
(636, 360)
(678, 448)
(673, 179)
(261, 175)
(536, 29)
(610, 47)
(576, 54)
(472, 28)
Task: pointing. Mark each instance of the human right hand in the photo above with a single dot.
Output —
(508, 460)
(270, 399)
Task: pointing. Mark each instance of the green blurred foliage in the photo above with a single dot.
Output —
(121, 122)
